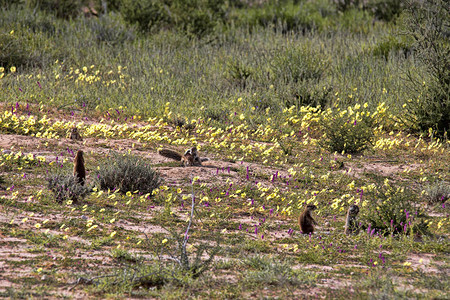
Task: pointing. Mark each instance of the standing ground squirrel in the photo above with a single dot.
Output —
(306, 221)
(75, 135)
(79, 170)
(189, 158)
(351, 225)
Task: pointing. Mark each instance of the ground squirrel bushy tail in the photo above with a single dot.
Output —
(170, 154)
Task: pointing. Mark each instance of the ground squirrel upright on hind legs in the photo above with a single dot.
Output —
(75, 134)
(351, 225)
(306, 221)
(79, 170)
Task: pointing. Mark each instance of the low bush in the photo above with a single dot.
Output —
(128, 173)
(64, 9)
(15, 50)
(392, 44)
(110, 30)
(196, 18)
(438, 192)
(392, 210)
(296, 64)
(65, 186)
(349, 131)
(427, 24)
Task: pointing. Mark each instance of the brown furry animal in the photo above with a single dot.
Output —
(189, 158)
(75, 135)
(351, 225)
(79, 170)
(306, 221)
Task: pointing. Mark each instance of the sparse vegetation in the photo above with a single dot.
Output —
(127, 173)
(66, 187)
(296, 102)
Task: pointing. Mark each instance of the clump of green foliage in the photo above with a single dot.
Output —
(346, 132)
(65, 186)
(393, 211)
(16, 50)
(428, 25)
(438, 192)
(196, 18)
(128, 173)
(392, 45)
(64, 9)
(111, 30)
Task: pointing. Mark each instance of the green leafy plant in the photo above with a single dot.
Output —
(197, 18)
(390, 210)
(110, 29)
(438, 192)
(428, 25)
(64, 9)
(346, 131)
(128, 173)
(297, 64)
(238, 73)
(392, 44)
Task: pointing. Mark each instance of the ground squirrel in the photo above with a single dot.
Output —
(75, 135)
(78, 167)
(306, 221)
(189, 158)
(351, 225)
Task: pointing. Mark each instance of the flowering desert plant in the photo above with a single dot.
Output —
(392, 211)
(348, 130)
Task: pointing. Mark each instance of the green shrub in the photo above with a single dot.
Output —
(65, 186)
(110, 30)
(344, 5)
(392, 44)
(296, 64)
(128, 173)
(15, 50)
(428, 25)
(438, 192)
(386, 10)
(287, 16)
(238, 73)
(196, 18)
(392, 211)
(64, 9)
(9, 4)
(348, 131)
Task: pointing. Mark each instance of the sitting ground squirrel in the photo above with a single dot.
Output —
(79, 170)
(306, 221)
(351, 226)
(189, 158)
(75, 135)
